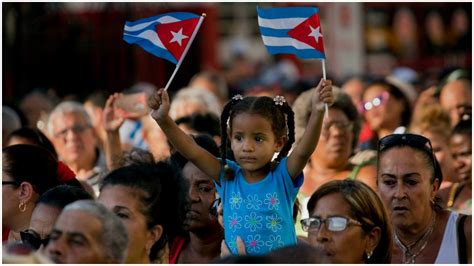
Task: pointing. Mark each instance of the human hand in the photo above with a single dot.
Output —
(159, 102)
(240, 248)
(322, 95)
(112, 121)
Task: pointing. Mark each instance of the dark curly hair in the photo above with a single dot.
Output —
(266, 107)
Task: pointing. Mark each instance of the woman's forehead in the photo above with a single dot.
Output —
(403, 158)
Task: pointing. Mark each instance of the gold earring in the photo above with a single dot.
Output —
(22, 207)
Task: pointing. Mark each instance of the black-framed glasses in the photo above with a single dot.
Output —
(9, 183)
(214, 207)
(333, 224)
(33, 239)
(77, 129)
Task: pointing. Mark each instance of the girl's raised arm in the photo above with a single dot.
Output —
(160, 103)
(298, 159)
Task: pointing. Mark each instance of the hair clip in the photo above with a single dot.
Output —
(237, 97)
(279, 100)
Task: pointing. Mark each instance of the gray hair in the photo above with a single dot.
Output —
(67, 107)
(215, 78)
(114, 238)
(200, 96)
(10, 119)
(342, 101)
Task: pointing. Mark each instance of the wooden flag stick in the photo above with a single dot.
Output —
(324, 77)
(186, 50)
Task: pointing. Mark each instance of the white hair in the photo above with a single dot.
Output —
(203, 97)
(67, 107)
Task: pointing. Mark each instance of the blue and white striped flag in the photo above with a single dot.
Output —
(165, 35)
(292, 30)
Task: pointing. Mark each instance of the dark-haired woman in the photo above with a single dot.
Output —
(408, 179)
(28, 171)
(148, 199)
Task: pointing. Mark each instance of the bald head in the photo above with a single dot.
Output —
(456, 99)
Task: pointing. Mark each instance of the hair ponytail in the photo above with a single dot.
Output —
(290, 122)
(224, 136)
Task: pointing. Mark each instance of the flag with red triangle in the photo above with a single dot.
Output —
(166, 35)
(292, 30)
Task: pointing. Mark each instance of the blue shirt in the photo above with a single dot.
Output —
(260, 213)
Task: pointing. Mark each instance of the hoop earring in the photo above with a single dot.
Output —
(369, 254)
(22, 207)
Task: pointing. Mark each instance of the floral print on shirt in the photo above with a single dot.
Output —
(253, 222)
(274, 222)
(254, 243)
(272, 201)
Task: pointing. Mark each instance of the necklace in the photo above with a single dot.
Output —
(412, 250)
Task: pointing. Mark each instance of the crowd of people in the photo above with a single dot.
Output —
(368, 170)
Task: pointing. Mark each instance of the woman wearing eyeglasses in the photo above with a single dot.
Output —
(408, 179)
(348, 223)
(386, 107)
(338, 140)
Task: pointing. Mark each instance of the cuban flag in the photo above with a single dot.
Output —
(166, 35)
(292, 30)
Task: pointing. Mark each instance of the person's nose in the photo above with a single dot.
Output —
(71, 134)
(323, 234)
(400, 190)
(54, 249)
(248, 145)
(193, 194)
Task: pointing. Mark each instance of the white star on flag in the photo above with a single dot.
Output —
(315, 33)
(178, 36)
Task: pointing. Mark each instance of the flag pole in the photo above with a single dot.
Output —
(186, 50)
(323, 61)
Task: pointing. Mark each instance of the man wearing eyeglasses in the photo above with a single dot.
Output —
(73, 137)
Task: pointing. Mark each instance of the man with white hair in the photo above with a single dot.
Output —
(87, 232)
(71, 132)
(456, 99)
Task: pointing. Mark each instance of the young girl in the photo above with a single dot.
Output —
(257, 194)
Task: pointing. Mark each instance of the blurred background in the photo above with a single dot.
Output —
(73, 49)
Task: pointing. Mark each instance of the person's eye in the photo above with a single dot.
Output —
(388, 182)
(205, 189)
(238, 138)
(122, 215)
(411, 182)
(54, 236)
(259, 139)
(77, 242)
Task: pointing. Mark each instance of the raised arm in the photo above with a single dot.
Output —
(112, 123)
(160, 103)
(300, 155)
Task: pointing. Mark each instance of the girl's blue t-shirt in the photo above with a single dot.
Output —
(260, 213)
